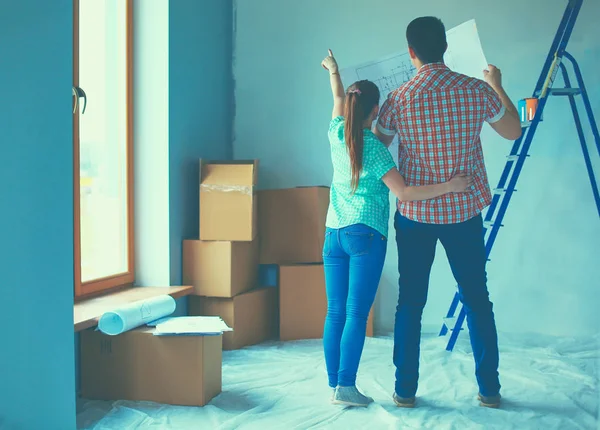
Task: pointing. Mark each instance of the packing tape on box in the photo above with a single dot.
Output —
(244, 189)
(136, 314)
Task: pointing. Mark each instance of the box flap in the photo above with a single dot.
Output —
(233, 173)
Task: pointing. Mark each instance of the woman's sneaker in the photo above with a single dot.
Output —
(404, 402)
(350, 396)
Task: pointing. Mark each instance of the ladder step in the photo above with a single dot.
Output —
(450, 323)
(501, 190)
(565, 91)
(527, 124)
(488, 224)
(514, 157)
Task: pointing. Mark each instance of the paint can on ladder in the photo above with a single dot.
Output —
(527, 109)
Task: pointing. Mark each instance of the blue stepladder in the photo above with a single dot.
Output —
(555, 62)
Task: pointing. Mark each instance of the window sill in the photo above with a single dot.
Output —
(87, 312)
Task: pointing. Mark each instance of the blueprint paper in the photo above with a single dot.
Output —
(388, 73)
(190, 326)
(464, 55)
(136, 314)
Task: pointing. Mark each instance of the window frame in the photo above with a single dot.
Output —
(117, 281)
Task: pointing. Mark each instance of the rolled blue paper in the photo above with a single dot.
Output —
(136, 314)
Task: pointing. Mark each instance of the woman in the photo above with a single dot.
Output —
(357, 227)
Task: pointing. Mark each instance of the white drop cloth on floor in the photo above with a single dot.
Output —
(548, 383)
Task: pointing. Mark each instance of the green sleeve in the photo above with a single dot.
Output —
(336, 128)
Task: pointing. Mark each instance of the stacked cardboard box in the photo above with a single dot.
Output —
(223, 265)
(292, 225)
(253, 316)
(228, 200)
(303, 302)
(292, 230)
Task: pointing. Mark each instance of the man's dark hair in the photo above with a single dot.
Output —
(427, 37)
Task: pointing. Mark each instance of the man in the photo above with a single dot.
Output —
(438, 117)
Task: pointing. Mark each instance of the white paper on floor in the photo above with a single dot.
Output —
(548, 383)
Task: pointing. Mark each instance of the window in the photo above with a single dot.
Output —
(103, 145)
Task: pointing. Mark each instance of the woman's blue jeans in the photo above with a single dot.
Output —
(353, 257)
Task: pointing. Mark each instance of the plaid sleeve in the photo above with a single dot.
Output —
(336, 126)
(379, 160)
(388, 117)
(494, 110)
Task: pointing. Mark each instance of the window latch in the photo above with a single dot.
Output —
(79, 93)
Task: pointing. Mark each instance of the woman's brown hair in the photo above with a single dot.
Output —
(361, 98)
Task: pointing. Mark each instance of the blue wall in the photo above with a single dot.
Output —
(37, 388)
(200, 108)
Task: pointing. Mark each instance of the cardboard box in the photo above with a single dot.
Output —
(175, 370)
(292, 225)
(228, 207)
(253, 316)
(303, 302)
(220, 269)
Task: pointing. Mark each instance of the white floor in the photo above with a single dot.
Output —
(548, 383)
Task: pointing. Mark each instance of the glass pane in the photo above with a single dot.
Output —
(103, 138)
